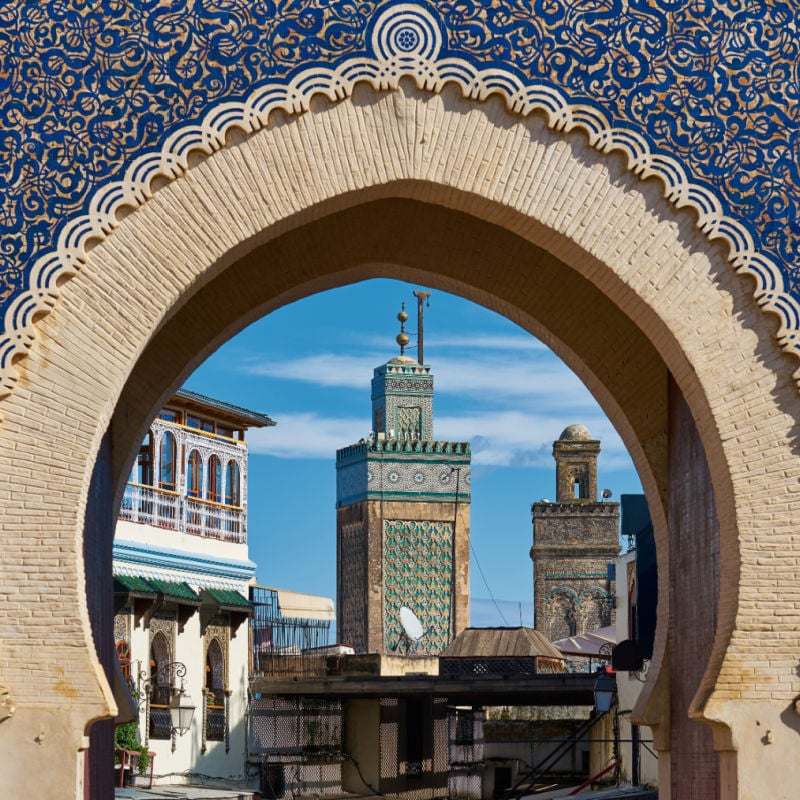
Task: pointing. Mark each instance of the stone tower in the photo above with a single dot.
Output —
(575, 539)
(402, 520)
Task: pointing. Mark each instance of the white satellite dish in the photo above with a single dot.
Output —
(412, 627)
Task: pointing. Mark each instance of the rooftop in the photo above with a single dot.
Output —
(516, 642)
(235, 415)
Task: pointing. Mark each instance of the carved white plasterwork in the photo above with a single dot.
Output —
(407, 42)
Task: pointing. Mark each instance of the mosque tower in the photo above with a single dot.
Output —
(575, 539)
(402, 520)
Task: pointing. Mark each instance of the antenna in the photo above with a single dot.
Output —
(412, 627)
(420, 319)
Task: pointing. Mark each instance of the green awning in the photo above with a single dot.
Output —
(227, 600)
(131, 584)
(176, 592)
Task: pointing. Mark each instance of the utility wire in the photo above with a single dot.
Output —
(486, 584)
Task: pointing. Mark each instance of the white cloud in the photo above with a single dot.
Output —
(307, 435)
(535, 379)
(470, 341)
(499, 439)
(324, 369)
(520, 397)
(520, 439)
(531, 381)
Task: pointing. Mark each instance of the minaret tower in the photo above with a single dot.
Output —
(402, 519)
(574, 541)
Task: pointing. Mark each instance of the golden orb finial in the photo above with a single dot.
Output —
(402, 337)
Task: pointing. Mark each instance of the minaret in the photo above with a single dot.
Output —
(402, 519)
(574, 540)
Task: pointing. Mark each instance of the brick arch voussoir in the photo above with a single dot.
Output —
(553, 188)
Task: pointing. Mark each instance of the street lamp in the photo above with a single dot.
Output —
(605, 691)
(181, 707)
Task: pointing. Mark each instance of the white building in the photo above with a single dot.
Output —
(182, 577)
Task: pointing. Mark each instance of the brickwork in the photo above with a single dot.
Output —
(574, 546)
(694, 578)
(574, 541)
(532, 223)
(368, 607)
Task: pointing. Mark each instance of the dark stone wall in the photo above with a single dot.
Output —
(694, 595)
(573, 545)
(98, 540)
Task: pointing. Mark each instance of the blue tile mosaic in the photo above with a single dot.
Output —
(87, 87)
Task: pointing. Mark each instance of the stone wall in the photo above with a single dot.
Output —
(573, 545)
(465, 197)
(694, 601)
(368, 617)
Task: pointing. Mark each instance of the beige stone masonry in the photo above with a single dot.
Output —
(467, 198)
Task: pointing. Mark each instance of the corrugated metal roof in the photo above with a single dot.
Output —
(294, 605)
(596, 643)
(500, 642)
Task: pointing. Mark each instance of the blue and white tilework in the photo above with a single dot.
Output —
(98, 97)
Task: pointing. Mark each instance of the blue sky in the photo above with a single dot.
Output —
(309, 366)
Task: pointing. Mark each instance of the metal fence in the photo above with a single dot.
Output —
(285, 647)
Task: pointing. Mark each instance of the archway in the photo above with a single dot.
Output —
(536, 226)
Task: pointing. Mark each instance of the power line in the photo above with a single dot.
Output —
(486, 584)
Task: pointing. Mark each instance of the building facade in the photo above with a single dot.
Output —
(402, 521)
(132, 250)
(575, 539)
(181, 586)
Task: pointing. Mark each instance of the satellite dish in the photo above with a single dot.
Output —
(605, 494)
(412, 627)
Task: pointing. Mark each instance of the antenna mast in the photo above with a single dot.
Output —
(421, 296)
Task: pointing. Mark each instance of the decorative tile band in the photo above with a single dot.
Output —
(180, 561)
(87, 87)
(407, 478)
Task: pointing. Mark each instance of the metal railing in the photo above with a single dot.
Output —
(285, 647)
(165, 509)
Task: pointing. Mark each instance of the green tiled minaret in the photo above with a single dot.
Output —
(402, 511)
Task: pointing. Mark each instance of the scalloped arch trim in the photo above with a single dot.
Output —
(407, 41)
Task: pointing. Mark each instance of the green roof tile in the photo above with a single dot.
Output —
(228, 598)
(181, 592)
(132, 583)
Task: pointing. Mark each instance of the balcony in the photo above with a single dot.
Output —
(164, 509)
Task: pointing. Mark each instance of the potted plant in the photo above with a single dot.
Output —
(126, 737)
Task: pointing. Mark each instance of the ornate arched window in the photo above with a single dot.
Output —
(194, 474)
(214, 480)
(124, 658)
(233, 495)
(143, 470)
(160, 687)
(593, 611)
(166, 478)
(560, 616)
(215, 692)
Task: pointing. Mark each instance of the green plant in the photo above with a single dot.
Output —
(126, 737)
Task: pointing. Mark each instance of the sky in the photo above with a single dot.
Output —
(309, 366)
